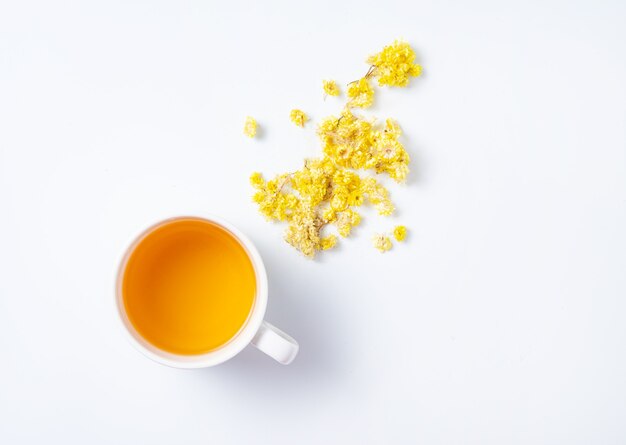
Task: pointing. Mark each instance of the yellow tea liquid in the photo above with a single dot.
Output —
(188, 287)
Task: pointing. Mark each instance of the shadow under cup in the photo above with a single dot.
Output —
(188, 288)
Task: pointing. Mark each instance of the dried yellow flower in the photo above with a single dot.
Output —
(256, 179)
(346, 220)
(361, 93)
(249, 127)
(382, 242)
(298, 117)
(399, 233)
(354, 142)
(328, 242)
(303, 231)
(395, 64)
(327, 190)
(331, 88)
(329, 215)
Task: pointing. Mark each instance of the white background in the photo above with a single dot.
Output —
(500, 321)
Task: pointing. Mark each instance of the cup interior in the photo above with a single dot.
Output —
(232, 346)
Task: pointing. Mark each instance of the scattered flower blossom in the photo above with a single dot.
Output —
(298, 117)
(355, 142)
(395, 64)
(399, 233)
(328, 242)
(331, 88)
(382, 242)
(250, 127)
(361, 93)
(328, 190)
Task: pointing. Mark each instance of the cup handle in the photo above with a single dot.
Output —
(275, 343)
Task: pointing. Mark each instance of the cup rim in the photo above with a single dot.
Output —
(224, 352)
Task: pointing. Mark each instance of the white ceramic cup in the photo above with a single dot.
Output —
(260, 333)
